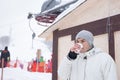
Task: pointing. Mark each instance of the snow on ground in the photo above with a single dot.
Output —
(19, 74)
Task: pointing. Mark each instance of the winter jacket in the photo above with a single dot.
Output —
(6, 55)
(92, 65)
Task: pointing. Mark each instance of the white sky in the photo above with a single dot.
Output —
(15, 11)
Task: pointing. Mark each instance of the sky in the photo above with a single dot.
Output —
(15, 12)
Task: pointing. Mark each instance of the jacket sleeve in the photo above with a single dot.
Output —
(110, 72)
(64, 69)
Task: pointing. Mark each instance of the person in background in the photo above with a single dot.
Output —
(49, 66)
(5, 54)
(86, 62)
(38, 55)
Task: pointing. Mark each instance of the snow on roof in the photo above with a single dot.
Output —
(64, 13)
(71, 8)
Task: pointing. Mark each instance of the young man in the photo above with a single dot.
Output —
(85, 62)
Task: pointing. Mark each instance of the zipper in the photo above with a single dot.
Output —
(85, 69)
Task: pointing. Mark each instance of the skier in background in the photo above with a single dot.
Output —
(5, 54)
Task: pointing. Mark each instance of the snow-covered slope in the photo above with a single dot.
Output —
(19, 74)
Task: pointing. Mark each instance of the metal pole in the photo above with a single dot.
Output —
(2, 68)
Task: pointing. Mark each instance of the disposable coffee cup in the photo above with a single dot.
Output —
(80, 47)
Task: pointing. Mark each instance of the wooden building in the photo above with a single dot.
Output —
(101, 17)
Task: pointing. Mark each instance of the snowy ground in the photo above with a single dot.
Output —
(19, 74)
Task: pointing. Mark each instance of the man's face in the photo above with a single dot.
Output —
(85, 44)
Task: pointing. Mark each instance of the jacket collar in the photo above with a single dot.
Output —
(89, 53)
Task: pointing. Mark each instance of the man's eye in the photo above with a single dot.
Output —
(82, 41)
(79, 41)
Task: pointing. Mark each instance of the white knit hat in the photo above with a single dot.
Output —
(87, 35)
